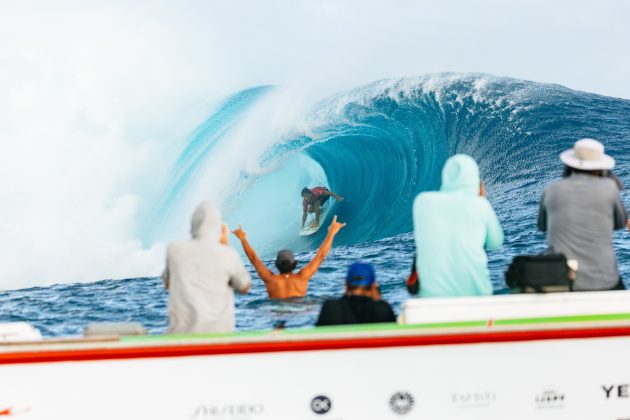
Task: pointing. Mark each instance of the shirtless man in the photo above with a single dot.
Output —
(312, 201)
(288, 284)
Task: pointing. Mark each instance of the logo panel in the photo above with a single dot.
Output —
(475, 399)
(321, 404)
(401, 402)
(13, 411)
(227, 411)
(550, 399)
(616, 391)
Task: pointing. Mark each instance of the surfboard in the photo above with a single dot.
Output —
(307, 231)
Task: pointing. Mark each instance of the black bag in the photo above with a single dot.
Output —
(540, 273)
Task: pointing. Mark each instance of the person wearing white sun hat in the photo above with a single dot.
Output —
(580, 212)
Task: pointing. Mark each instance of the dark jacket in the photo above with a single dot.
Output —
(355, 310)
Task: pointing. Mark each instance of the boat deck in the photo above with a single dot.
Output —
(448, 358)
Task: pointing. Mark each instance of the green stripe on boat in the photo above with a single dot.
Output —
(385, 327)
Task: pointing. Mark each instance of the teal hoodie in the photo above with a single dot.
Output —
(453, 227)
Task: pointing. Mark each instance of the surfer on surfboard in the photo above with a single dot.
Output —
(312, 201)
(287, 284)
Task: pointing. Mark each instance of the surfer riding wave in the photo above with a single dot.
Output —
(313, 199)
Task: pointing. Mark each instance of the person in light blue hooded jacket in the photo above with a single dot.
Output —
(453, 228)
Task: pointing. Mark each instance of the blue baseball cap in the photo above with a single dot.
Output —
(360, 274)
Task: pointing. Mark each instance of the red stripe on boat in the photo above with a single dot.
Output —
(202, 349)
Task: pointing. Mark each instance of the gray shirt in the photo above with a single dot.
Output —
(579, 214)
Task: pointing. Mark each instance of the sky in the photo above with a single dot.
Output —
(95, 97)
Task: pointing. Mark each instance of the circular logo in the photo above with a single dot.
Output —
(321, 404)
(401, 402)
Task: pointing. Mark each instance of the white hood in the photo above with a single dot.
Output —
(206, 222)
(201, 275)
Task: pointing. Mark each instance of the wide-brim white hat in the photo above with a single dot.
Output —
(587, 155)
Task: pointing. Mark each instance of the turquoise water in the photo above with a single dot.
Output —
(379, 146)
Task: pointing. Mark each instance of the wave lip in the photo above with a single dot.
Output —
(201, 144)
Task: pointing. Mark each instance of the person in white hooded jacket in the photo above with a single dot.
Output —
(201, 275)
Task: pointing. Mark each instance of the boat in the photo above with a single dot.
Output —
(531, 356)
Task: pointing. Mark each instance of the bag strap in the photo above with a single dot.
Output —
(413, 283)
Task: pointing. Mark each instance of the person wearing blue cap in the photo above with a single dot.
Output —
(361, 303)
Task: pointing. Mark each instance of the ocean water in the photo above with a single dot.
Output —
(377, 145)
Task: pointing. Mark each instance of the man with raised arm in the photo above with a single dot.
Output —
(287, 284)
